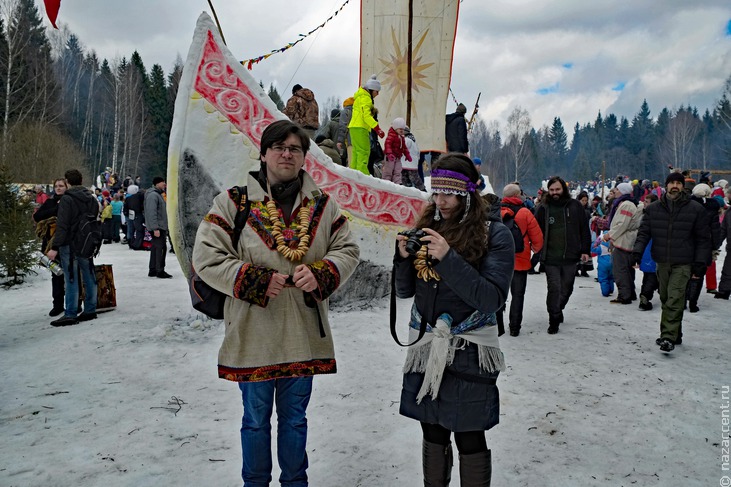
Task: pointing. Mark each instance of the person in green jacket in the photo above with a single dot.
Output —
(362, 122)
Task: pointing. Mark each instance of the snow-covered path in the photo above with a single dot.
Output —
(132, 398)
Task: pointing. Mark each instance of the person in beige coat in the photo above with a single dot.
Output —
(624, 221)
(294, 252)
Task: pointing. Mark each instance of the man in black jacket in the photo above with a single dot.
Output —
(76, 202)
(681, 245)
(134, 207)
(456, 131)
(566, 241)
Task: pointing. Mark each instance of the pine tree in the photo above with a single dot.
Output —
(160, 122)
(276, 97)
(17, 238)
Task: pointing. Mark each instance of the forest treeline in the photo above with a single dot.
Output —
(61, 106)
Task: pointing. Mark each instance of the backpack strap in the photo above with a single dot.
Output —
(242, 214)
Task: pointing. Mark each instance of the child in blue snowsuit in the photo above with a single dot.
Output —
(650, 284)
(604, 264)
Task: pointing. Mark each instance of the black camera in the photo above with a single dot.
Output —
(414, 243)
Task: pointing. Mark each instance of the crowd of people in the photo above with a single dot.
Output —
(351, 137)
(66, 223)
(464, 264)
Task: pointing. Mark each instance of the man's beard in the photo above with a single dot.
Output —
(556, 196)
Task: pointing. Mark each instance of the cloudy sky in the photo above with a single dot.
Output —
(566, 58)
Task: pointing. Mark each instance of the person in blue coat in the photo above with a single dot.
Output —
(649, 278)
(605, 276)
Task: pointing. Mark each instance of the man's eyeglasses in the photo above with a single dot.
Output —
(294, 150)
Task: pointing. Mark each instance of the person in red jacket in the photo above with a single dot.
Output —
(512, 205)
(395, 149)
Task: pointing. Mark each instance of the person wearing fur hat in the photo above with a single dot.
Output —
(681, 246)
(624, 221)
(459, 278)
(394, 149)
(702, 194)
(455, 131)
(302, 109)
(362, 122)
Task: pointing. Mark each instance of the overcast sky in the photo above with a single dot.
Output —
(566, 58)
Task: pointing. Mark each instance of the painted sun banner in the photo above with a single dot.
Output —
(384, 51)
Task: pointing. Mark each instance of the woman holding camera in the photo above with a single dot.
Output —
(459, 273)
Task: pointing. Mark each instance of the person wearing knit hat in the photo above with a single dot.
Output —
(674, 176)
(394, 150)
(302, 108)
(702, 190)
(624, 188)
(624, 218)
(362, 122)
(455, 131)
(680, 254)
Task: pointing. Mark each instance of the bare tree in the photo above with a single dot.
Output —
(678, 143)
(518, 141)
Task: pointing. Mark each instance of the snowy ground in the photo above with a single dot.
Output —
(132, 398)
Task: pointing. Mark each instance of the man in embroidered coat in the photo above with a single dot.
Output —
(278, 280)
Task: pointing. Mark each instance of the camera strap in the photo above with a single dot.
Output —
(392, 313)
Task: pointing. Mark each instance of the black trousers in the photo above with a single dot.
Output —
(560, 283)
(725, 284)
(624, 273)
(57, 291)
(158, 251)
(517, 300)
(649, 285)
(138, 234)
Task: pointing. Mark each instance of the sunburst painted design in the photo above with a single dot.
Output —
(396, 70)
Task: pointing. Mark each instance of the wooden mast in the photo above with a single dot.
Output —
(409, 60)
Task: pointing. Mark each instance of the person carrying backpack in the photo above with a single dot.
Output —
(294, 252)
(76, 242)
(524, 227)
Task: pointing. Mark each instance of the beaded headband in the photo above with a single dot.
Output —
(451, 182)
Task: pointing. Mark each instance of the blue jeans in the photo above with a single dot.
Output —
(71, 282)
(292, 396)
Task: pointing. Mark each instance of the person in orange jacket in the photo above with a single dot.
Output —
(513, 206)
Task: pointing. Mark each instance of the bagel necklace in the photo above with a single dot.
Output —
(277, 223)
(422, 263)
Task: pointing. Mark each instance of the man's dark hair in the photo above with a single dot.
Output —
(279, 131)
(319, 139)
(73, 176)
(565, 195)
(296, 88)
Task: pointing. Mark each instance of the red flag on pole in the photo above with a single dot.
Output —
(52, 7)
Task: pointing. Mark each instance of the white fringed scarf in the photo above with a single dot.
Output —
(435, 351)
